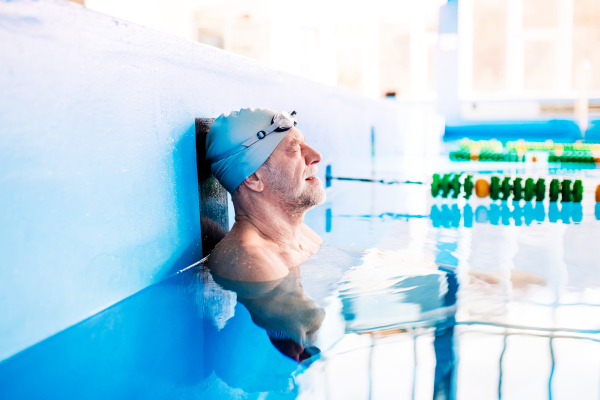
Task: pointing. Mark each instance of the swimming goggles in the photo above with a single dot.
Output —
(281, 122)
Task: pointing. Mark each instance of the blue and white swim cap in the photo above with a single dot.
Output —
(240, 142)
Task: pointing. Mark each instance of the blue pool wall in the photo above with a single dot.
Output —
(98, 183)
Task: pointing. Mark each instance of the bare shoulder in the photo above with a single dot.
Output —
(242, 256)
(311, 235)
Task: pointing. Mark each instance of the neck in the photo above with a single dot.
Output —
(273, 220)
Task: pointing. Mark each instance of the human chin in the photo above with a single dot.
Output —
(314, 192)
(322, 195)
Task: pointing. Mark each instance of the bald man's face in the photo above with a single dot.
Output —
(290, 173)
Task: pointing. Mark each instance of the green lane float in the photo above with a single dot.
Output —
(435, 185)
(495, 188)
(529, 191)
(468, 187)
(554, 190)
(540, 190)
(505, 189)
(565, 191)
(518, 189)
(445, 185)
(455, 186)
(577, 191)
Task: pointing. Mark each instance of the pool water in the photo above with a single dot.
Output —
(410, 297)
(509, 305)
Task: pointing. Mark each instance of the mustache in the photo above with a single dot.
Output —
(311, 172)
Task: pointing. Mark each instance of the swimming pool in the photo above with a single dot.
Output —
(410, 297)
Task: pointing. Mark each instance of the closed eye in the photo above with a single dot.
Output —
(294, 145)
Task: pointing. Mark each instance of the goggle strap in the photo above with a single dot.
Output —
(248, 142)
(244, 145)
(228, 153)
(256, 137)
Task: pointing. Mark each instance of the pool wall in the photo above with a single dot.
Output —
(98, 182)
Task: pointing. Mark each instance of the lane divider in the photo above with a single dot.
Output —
(505, 188)
(496, 188)
(329, 178)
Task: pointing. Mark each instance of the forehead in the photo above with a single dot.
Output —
(294, 137)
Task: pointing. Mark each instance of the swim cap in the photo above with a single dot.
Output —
(230, 131)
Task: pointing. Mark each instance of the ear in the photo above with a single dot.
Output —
(254, 183)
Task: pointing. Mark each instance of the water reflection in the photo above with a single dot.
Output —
(502, 213)
(443, 344)
(393, 293)
(281, 307)
(505, 214)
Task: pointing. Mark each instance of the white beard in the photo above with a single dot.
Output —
(296, 198)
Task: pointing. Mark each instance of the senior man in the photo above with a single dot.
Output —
(261, 158)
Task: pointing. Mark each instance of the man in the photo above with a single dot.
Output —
(261, 158)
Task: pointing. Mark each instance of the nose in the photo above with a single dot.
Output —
(311, 155)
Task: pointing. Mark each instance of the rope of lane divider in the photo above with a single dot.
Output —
(329, 178)
(340, 178)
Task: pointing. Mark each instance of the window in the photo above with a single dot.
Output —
(586, 44)
(489, 45)
(530, 48)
